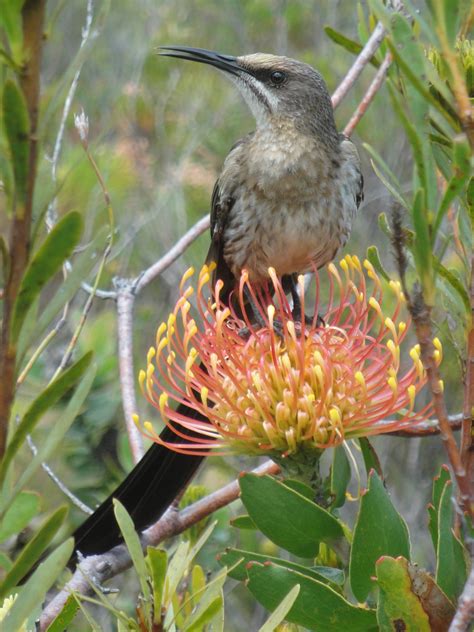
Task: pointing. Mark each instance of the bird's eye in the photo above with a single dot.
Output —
(277, 77)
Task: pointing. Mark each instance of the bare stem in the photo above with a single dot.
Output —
(125, 303)
(176, 251)
(360, 63)
(369, 95)
(464, 616)
(32, 12)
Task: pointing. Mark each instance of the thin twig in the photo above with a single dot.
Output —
(176, 251)
(467, 453)
(369, 95)
(360, 63)
(125, 303)
(58, 482)
(427, 428)
(103, 567)
(51, 215)
(464, 616)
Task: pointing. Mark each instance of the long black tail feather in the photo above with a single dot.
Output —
(146, 493)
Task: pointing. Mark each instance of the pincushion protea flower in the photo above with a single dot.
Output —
(282, 387)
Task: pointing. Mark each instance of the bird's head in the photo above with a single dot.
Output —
(274, 87)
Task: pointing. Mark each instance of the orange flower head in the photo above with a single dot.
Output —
(282, 387)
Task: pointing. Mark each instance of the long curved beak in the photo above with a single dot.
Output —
(228, 63)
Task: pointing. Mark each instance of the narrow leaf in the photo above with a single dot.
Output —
(24, 507)
(34, 591)
(347, 43)
(280, 612)
(134, 546)
(371, 460)
(64, 619)
(32, 552)
(17, 127)
(48, 260)
(462, 171)
(340, 476)
(379, 530)
(451, 569)
(41, 404)
(59, 429)
(157, 563)
(374, 258)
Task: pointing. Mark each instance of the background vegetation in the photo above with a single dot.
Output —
(158, 131)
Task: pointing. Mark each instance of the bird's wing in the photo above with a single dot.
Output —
(351, 155)
(223, 199)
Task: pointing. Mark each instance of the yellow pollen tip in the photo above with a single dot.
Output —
(204, 395)
(441, 385)
(359, 378)
(271, 314)
(414, 354)
(161, 330)
(374, 304)
(141, 378)
(136, 420)
(189, 291)
(148, 426)
(163, 402)
(392, 382)
(401, 327)
(150, 355)
(332, 269)
(411, 391)
(149, 371)
(344, 265)
(437, 344)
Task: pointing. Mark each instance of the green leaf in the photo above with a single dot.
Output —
(398, 607)
(34, 591)
(176, 569)
(462, 171)
(134, 547)
(451, 568)
(57, 247)
(24, 507)
(59, 429)
(340, 476)
(64, 619)
(386, 175)
(422, 246)
(202, 616)
(11, 23)
(157, 563)
(280, 612)
(371, 460)
(286, 517)
(40, 405)
(454, 282)
(379, 530)
(347, 43)
(237, 560)
(32, 552)
(82, 265)
(17, 127)
(374, 258)
(243, 522)
(317, 606)
(439, 483)
(5, 562)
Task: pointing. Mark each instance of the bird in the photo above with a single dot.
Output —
(286, 197)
